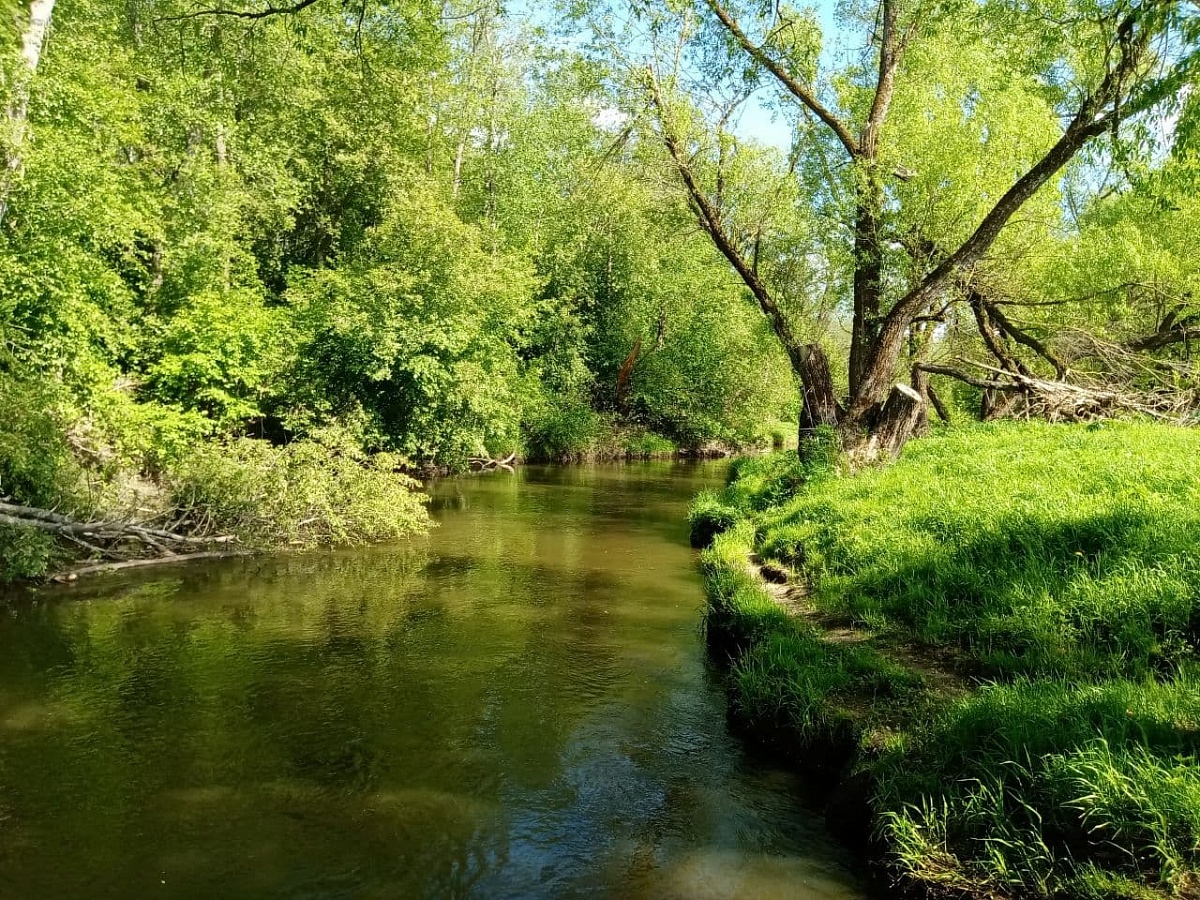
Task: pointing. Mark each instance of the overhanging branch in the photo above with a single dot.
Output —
(264, 13)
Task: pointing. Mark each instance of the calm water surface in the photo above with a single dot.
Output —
(517, 706)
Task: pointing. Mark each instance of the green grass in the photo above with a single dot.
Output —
(1060, 566)
(790, 686)
(1033, 549)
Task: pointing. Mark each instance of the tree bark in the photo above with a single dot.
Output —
(33, 40)
(868, 275)
(820, 402)
(899, 420)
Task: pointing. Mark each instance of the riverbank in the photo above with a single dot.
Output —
(989, 646)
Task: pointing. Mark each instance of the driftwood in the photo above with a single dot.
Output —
(73, 574)
(486, 464)
(46, 520)
(124, 543)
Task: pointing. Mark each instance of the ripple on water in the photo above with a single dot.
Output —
(517, 706)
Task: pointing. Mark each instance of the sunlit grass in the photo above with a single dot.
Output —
(1060, 566)
(1034, 549)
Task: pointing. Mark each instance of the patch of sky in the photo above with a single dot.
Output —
(760, 119)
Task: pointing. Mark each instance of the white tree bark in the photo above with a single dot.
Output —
(32, 43)
(35, 35)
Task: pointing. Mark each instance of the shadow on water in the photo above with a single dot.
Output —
(516, 706)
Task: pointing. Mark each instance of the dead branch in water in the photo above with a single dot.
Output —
(126, 543)
(73, 574)
(486, 464)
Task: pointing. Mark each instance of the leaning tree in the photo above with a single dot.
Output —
(1086, 70)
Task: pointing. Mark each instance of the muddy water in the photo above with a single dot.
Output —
(517, 706)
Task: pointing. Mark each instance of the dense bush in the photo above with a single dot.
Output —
(562, 428)
(37, 468)
(305, 493)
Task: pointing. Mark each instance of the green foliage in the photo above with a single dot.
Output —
(217, 355)
(37, 468)
(303, 494)
(410, 228)
(643, 444)
(419, 330)
(559, 429)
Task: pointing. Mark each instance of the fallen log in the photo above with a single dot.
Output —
(124, 543)
(74, 574)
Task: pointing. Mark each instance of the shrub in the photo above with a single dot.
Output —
(642, 444)
(37, 468)
(560, 428)
(305, 493)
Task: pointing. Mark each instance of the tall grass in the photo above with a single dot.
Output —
(1060, 566)
(1051, 789)
(1034, 549)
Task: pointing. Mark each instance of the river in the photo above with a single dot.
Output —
(516, 706)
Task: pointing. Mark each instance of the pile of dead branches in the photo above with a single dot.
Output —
(1079, 399)
(120, 544)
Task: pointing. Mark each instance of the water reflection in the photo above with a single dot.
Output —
(517, 706)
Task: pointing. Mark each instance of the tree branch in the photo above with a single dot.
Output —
(245, 13)
(891, 49)
(1024, 338)
(1100, 110)
(710, 220)
(793, 85)
(969, 379)
(808, 360)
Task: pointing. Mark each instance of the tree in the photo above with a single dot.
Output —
(33, 38)
(1116, 63)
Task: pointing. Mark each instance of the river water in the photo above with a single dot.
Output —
(516, 706)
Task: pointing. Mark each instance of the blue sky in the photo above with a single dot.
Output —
(757, 120)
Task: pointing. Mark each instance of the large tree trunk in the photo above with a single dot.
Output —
(32, 42)
(899, 419)
(868, 275)
(816, 388)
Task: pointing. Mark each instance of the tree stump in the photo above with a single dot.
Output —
(898, 421)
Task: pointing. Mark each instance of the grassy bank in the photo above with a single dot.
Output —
(994, 643)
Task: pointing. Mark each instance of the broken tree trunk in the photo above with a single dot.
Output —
(899, 419)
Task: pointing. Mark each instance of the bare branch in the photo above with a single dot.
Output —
(801, 92)
(245, 13)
